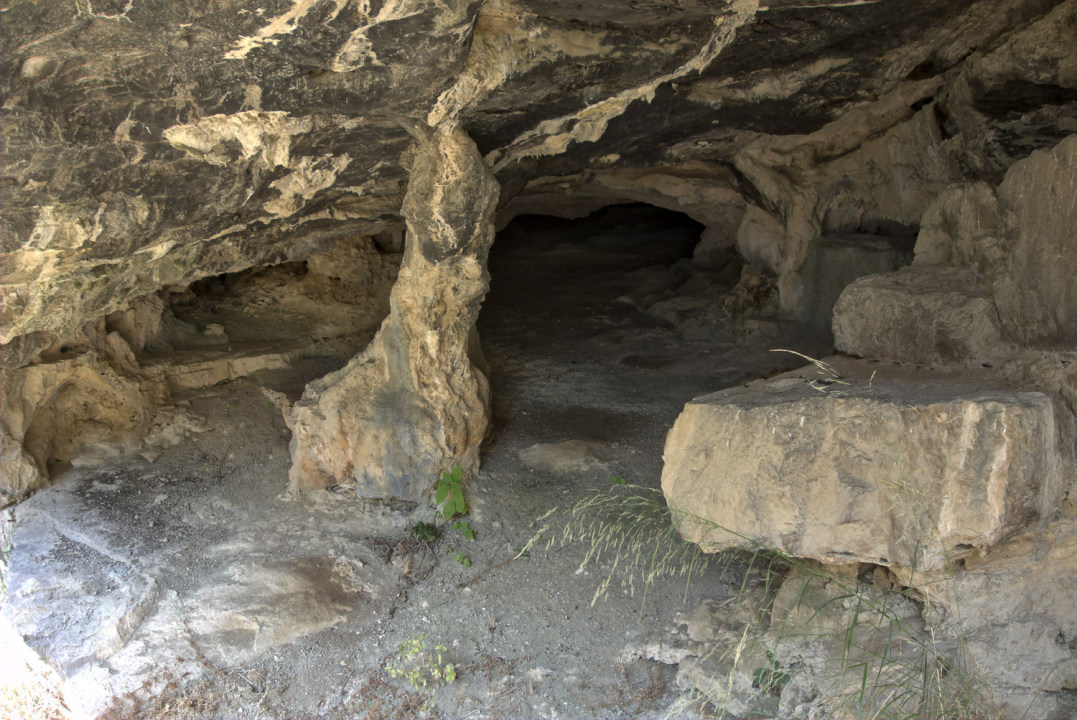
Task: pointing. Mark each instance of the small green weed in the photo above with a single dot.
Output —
(423, 531)
(770, 679)
(463, 559)
(464, 528)
(618, 480)
(419, 667)
(449, 493)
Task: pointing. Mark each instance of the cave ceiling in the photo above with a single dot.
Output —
(153, 142)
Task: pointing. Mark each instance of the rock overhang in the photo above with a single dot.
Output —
(152, 144)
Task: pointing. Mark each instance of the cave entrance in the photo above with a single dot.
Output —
(595, 329)
(556, 283)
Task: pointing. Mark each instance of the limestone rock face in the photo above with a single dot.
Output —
(284, 120)
(894, 468)
(1034, 290)
(97, 391)
(415, 402)
(86, 392)
(993, 270)
(152, 144)
(1017, 595)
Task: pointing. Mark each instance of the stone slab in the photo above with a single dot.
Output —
(875, 463)
(927, 315)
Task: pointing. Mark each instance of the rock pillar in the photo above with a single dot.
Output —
(415, 402)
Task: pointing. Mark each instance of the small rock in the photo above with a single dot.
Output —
(571, 456)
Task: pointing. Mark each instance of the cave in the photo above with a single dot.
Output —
(529, 358)
(588, 292)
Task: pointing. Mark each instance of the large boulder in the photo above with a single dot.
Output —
(919, 314)
(868, 462)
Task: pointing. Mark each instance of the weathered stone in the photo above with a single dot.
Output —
(1035, 290)
(1011, 608)
(283, 121)
(941, 309)
(990, 271)
(849, 648)
(760, 238)
(255, 604)
(570, 456)
(126, 581)
(816, 644)
(101, 385)
(873, 463)
(415, 402)
(962, 228)
(834, 261)
(54, 409)
(928, 315)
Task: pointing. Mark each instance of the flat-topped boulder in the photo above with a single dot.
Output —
(865, 462)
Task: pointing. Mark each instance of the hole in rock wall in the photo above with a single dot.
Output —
(314, 313)
(556, 283)
(83, 397)
(589, 321)
(833, 261)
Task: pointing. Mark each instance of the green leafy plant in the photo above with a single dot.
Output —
(418, 666)
(463, 559)
(465, 529)
(617, 480)
(770, 678)
(449, 493)
(424, 531)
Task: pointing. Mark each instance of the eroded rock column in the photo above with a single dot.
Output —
(415, 402)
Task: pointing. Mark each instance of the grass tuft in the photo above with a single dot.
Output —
(629, 534)
(850, 648)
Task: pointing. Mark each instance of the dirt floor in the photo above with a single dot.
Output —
(180, 583)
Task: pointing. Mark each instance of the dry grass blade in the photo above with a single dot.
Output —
(887, 665)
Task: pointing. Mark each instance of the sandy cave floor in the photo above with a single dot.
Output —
(186, 586)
